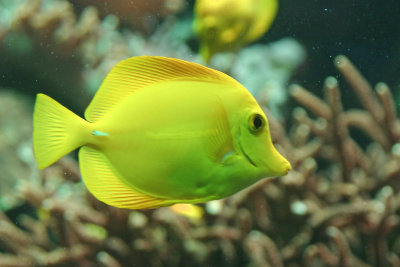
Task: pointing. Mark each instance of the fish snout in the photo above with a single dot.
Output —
(278, 164)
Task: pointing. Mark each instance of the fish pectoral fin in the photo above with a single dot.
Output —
(104, 183)
(220, 141)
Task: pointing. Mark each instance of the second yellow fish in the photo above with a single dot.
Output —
(226, 25)
(161, 131)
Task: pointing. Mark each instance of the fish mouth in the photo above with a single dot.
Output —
(246, 156)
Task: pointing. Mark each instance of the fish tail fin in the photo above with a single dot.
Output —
(56, 131)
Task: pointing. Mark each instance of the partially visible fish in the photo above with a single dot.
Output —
(191, 211)
(161, 131)
(226, 25)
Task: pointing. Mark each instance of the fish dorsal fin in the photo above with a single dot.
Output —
(106, 185)
(134, 73)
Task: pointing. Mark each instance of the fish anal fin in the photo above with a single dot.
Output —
(103, 182)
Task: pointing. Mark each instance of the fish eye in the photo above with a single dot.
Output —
(256, 123)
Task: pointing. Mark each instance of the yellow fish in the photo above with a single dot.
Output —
(161, 131)
(226, 25)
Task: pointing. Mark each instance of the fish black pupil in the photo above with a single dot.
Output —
(257, 122)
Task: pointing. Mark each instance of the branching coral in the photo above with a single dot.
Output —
(142, 15)
(339, 206)
(15, 145)
(352, 197)
(46, 40)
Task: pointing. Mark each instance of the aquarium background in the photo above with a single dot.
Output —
(327, 74)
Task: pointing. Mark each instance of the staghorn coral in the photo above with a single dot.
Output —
(15, 144)
(339, 206)
(352, 198)
(45, 40)
(142, 15)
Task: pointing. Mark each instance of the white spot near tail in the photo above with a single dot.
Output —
(98, 133)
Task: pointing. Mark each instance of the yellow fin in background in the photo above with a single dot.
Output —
(103, 182)
(266, 15)
(132, 74)
(56, 131)
(191, 211)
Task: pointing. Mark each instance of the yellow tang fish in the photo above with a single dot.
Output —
(226, 25)
(161, 131)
